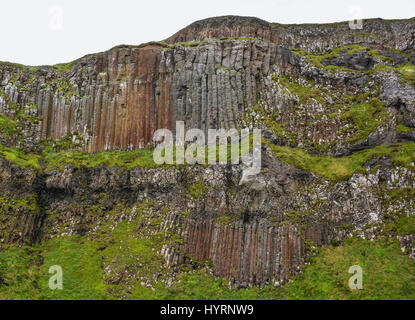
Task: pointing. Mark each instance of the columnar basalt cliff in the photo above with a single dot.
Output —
(117, 99)
(336, 107)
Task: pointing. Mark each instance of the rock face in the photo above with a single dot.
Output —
(251, 245)
(117, 99)
(321, 90)
(376, 33)
(356, 61)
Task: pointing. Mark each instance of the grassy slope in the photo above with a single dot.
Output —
(387, 274)
(20, 158)
(342, 168)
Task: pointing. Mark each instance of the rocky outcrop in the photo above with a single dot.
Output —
(20, 210)
(378, 33)
(357, 61)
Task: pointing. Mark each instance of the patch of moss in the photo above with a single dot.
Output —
(219, 67)
(294, 217)
(63, 68)
(224, 220)
(304, 93)
(317, 59)
(405, 225)
(94, 267)
(20, 158)
(197, 190)
(7, 125)
(402, 194)
(366, 118)
(408, 72)
(189, 44)
(342, 168)
(270, 119)
(387, 272)
(403, 129)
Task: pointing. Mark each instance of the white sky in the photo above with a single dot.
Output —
(54, 31)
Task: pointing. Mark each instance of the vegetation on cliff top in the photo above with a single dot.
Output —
(317, 59)
(322, 61)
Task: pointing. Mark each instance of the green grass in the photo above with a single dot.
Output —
(82, 274)
(397, 195)
(408, 72)
(119, 249)
(387, 273)
(63, 152)
(126, 160)
(366, 117)
(190, 44)
(20, 268)
(405, 225)
(342, 168)
(7, 125)
(60, 68)
(197, 190)
(304, 93)
(63, 68)
(403, 129)
(318, 58)
(332, 168)
(20, 158)
(26, 270)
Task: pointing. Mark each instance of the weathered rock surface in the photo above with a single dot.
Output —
(251, 235)
(218, 73)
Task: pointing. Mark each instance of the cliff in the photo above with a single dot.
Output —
(208, 75)
(337, 110)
